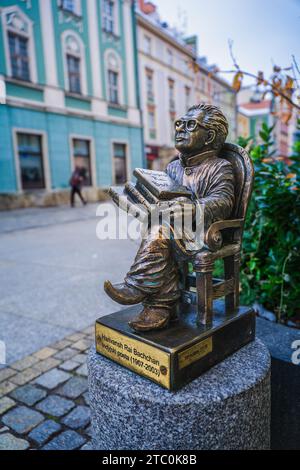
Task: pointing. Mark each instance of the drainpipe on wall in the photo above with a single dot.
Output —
(138, 96)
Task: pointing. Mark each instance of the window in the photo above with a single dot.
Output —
(170, 57)
(74, 74)
(114, 78)
(113, 87)
(31, 161)
(82, 158)
(171, 95)
(149, 85)
(18, 44)
(72, 6)
(148, 45)
(18, 49)
(120, 163)
(187, 97)
(108, 16)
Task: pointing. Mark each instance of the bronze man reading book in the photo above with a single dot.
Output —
(153, 279)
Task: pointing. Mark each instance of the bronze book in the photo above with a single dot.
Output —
(161, 185)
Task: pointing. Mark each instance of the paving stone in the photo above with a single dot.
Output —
(53, 378)
(66, 354)
(69, 365)
(61, 344)
(75, 337)
(89, 430)
(81, 358)
(6, 387)
(25, 363)
(22, 419)
(75, 387)
(90, 330)
(4, 429)
(82, 370)
(55, 406)
(29, 394)
(44, 431)
(68, 440)
(86, 398)
(6, 404)
(45, 353)
(6, 374)
(78, 418)
(26, 376)
(87, 446)
(10, 442)
(47, 364)
(82, 345)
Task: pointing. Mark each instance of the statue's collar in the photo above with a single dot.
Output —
(195, 160)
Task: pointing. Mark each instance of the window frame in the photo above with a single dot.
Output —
(76, 11)
(91, 141)
(113, 88)
(12, 18)
(18, 57)
(128, 157)
(117, 68)
(79, 55)
(45, 156)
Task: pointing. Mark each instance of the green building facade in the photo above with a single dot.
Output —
(68, 93)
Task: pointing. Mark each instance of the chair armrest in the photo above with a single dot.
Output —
(213, 237)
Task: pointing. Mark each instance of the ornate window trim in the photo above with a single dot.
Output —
(113, 63)
(116, 29)
(79, 53)
(15, 21)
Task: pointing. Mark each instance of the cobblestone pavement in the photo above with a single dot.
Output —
(44, 398)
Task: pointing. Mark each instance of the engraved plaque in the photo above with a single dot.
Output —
(174, 356)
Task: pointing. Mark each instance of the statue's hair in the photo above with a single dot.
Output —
(213, 119)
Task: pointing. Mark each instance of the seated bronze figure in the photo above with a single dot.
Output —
(154, 277)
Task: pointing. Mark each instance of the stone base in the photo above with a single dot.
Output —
(228, 407)
(285, 384)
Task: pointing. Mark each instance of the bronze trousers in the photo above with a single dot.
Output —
(155, 271)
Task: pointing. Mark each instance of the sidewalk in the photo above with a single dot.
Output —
(44, 398)
(52, 270)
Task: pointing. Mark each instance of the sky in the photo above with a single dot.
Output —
(264, 32)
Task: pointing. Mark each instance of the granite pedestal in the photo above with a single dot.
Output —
(228, 407)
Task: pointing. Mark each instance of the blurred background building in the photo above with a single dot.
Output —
(172, 78)
(96, 84)
(254, 109)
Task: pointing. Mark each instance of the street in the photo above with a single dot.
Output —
(52, 269)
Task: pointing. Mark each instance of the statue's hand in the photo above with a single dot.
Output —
(178, 207)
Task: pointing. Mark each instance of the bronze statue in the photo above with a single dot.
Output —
(153, 279)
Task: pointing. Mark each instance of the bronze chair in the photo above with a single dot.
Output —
(223, 241)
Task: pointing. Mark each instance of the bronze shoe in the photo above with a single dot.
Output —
(151, 318)
(123, 294)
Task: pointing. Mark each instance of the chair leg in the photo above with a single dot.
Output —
(232, 271)
(204, 285)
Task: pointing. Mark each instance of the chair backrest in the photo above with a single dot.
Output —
(243, 175)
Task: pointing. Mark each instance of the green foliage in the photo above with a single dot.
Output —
(270, 271)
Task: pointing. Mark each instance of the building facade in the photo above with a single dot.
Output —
(253, 111)
(170, 84)
(69, 78)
